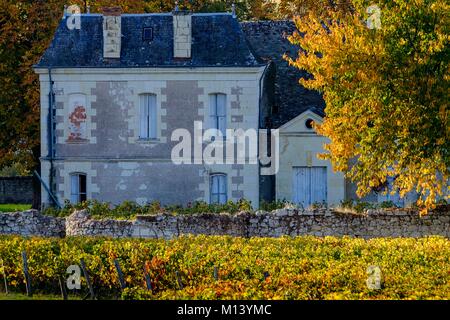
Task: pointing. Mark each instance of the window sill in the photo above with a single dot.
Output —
(148, 141)
(77, 141)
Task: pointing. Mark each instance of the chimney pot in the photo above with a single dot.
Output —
(111, 11)
(65, 11)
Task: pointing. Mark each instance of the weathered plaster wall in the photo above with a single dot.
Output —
(147, 181)
(118, 164)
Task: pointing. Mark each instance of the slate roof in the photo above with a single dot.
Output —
(268, 40)
(217, 41)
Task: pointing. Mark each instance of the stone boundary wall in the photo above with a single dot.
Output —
(16, 190)
(267, 224)
(373, 224)
(32, 223)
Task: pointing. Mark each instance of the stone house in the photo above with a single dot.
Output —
(120, 92)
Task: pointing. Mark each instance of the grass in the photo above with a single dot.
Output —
(14, 207)
(20, 296)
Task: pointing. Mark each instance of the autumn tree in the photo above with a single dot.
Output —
(287, 9)
(384, 74)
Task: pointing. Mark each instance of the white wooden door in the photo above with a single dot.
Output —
(309, 185)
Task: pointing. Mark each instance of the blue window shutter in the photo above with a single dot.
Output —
(222, 113)
(218, 189)
(143, 117)
(223, 189)
(74, 188)
(153, 121)
(213, 111)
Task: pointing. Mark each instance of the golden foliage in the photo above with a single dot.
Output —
(386, 92)
(298, 268)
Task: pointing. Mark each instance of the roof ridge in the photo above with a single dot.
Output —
(201, 14)
(267, 21)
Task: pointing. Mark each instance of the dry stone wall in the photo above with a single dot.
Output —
(267, 224)
(32, 223)
(277, 223)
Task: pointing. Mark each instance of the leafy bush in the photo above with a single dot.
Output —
(387, 205)
(359, 206)
(275, 205)
(129, 209)
(347, 204)
(297, 268)
(136, 293)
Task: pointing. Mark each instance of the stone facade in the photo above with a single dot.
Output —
(120, 166)
(182, 60)
(284, 222)
(16, 190)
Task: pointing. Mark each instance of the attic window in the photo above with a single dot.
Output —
(309, 123)
(147, 34)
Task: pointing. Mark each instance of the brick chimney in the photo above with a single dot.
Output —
(112, 32)
(182, 34)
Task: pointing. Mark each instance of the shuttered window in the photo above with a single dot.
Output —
(147, 117)
(218, 188)
(218, 112)
(78, 188)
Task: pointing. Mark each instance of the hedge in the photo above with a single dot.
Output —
(255, 268)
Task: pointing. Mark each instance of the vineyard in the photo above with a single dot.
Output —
(205, 267)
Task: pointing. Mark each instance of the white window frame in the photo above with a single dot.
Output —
(148, 117)
(220, 195)
(218, 112)
(76, 194)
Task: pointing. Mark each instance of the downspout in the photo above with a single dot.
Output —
(260, 93)
(51, 137)
(259, 126)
